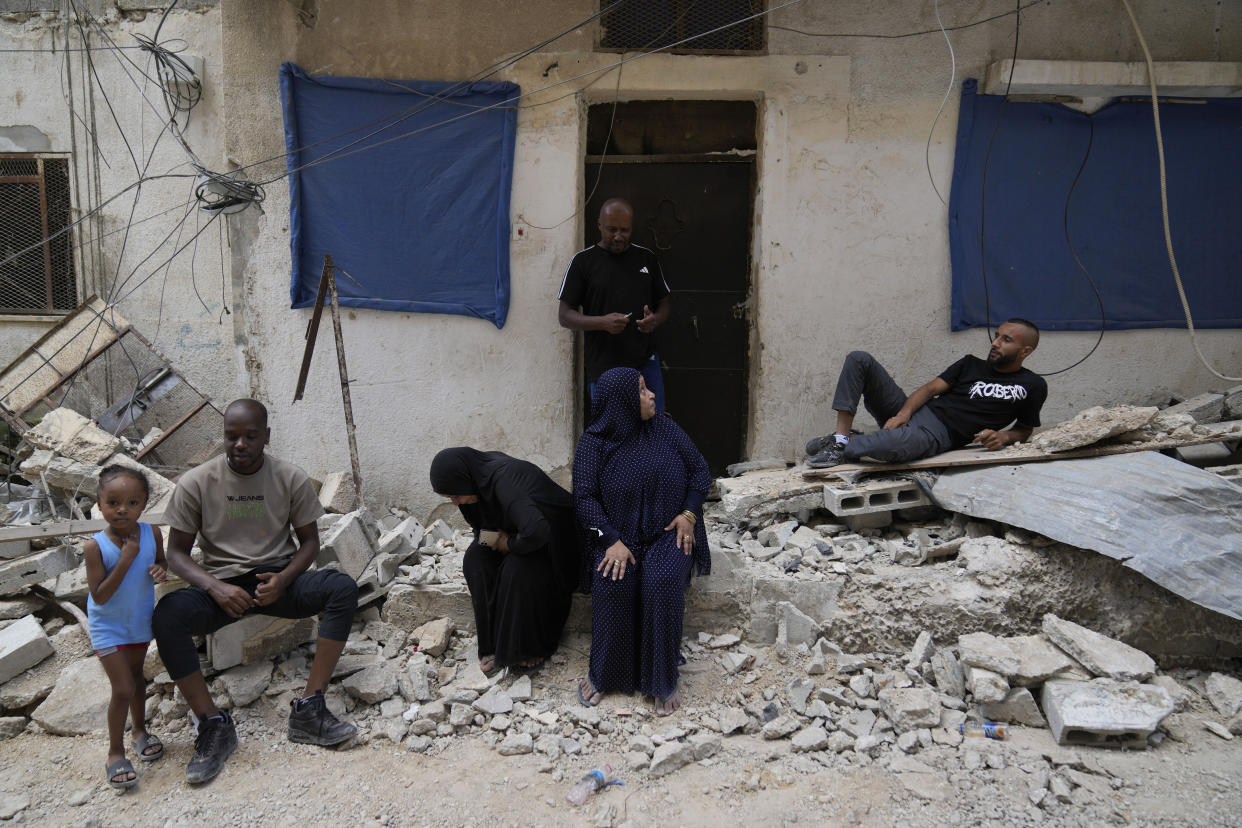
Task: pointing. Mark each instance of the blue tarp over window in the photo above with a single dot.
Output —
(1114, 215)
(420, 220)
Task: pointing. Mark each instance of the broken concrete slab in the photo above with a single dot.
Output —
(256, 637)
(409, 606)
(814, 599)
(35, 683)
(337, 494)
(947, 670)
(36, 568)
(985, 685)
(1167, 504)
(1038, 660)
(810, 739)
(433, 637)
(1225, 694)
(761, 494)
(69, 434)
(980, 649)
(23, 644)
(1205, 408)
(245, 683)
(1104, 712)
(374, 684)
(1100, 654)
(1018, 707)
(79, 703)
(1233, 403)
(746, 466)
(350, 542)
(1092, 425)
(911, 708)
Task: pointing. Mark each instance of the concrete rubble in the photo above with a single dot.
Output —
(792, 641)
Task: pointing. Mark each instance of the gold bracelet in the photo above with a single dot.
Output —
(689, 515)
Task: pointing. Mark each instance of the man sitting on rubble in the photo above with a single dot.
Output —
(241, 506)
(971, 400)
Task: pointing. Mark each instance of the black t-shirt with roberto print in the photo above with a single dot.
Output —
(981, 397)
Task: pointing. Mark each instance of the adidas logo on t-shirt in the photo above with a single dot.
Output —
(643, 269)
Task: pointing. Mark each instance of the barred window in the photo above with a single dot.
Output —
(651, 24)
(36, 258)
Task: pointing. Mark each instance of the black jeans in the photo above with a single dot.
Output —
(862, 378)
(181, 615)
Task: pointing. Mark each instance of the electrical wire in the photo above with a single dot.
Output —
(1164, 196)
(1069, 242)
(943, 101)
(512, 100)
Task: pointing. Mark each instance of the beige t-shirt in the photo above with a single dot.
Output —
(243, 520)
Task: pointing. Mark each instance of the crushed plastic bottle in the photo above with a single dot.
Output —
(589, 784)
(984, 730)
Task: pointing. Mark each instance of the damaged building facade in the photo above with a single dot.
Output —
(844, 235)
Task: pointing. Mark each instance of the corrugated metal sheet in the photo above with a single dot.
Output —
(1176, 524)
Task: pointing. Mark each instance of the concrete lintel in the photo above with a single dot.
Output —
(1106, 79)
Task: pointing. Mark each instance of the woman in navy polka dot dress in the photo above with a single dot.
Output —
(639, 486)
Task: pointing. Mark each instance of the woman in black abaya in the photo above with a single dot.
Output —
(521, 582)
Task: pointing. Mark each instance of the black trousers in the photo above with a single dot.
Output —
(181, 615)
(519, 608)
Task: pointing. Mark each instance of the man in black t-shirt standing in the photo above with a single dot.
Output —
(623, 298)
(971, 400)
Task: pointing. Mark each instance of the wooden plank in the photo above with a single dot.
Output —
(1217, 432)
(65, 528)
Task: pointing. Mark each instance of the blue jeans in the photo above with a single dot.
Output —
(652, 375)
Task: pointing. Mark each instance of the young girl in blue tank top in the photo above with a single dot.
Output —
(123, 562)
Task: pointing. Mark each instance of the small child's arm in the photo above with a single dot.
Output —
(103, 584)
(159, 570)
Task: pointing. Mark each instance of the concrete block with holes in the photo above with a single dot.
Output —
(869, 496)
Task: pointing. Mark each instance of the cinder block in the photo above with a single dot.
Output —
(256, 637)
(1103, 712)
(868, 496)
(23, 644)
(869, 520)
(36, 568)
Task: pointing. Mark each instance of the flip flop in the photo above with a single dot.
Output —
(145, 741)
(586, 700)
(495, 668)
(117, 768)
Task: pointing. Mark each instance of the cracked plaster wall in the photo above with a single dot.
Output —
(849, 244)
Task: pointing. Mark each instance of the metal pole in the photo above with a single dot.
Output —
(340, 361)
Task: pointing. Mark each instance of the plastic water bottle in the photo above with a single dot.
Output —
(984, 730)
(589, 784)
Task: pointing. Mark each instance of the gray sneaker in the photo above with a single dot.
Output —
(832, 455)
(817, 444)
(216, 741)
(312, 723)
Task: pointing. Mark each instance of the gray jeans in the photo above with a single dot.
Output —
(863, 379)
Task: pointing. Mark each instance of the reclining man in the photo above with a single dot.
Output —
(242, 505)
(971, 400)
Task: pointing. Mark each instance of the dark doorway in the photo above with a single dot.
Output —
(688, 169)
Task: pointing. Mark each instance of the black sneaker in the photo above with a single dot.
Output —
(216, 741)
(312, 723)
(832, 455)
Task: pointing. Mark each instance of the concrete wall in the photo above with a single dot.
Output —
(163, 302)
(849, 244)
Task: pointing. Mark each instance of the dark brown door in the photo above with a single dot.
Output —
(694, 211)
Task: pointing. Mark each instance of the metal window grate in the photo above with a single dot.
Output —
(651, 24)
(34, 207)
